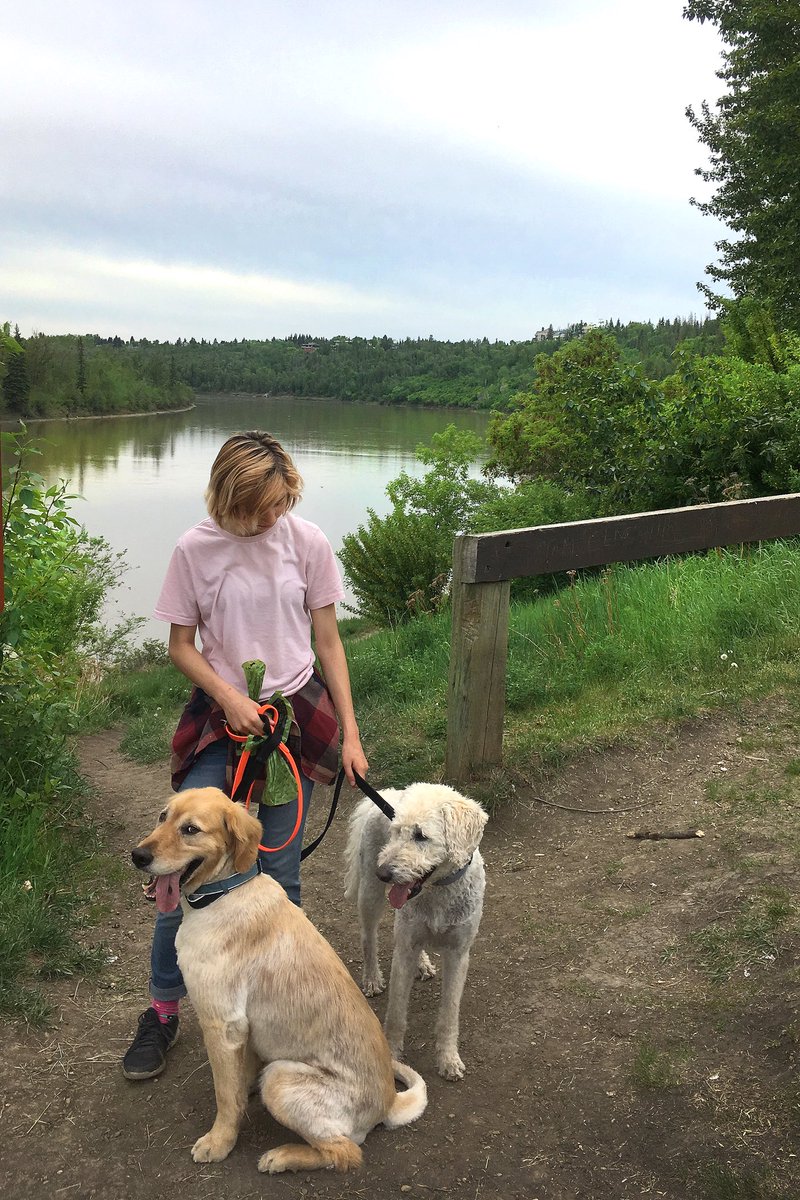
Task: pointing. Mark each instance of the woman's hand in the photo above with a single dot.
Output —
(241, 713)
(354, 760)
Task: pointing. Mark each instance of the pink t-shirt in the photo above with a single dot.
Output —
(251, 597)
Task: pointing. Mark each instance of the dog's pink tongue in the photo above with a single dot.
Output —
(168, 892)
(398, 894)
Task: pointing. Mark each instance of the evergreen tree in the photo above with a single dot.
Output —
(753, 138)
(81, 378)
(16, 385)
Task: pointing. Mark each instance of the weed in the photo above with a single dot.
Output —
(657, 1069)
(752, 938)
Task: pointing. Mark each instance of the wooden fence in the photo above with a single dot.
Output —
(484, 565)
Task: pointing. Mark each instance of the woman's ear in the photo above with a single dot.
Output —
(245, 833)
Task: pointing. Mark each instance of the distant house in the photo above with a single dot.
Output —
(308, 348)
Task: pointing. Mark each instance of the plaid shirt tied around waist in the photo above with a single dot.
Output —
(313, 738)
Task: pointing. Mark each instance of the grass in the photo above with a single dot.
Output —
(718, 1181)
(587, 667)
(657, 1069)
(750, 938)
(597, 662)
(41, 911)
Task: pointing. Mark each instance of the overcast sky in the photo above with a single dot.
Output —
(255, 168)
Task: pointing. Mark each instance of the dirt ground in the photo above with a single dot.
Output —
(603, 1058)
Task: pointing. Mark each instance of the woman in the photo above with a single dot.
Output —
(254, 581)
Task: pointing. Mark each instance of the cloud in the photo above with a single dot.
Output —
(410, 167)
(111, 289)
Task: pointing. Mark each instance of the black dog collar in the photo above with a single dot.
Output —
(207, 893)
(454, 878)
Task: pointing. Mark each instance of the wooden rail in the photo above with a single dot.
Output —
(484, 564)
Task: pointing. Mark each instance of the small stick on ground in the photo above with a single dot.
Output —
(654, 836)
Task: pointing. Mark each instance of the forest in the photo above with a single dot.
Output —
(68, 375)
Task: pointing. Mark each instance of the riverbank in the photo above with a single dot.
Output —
(156, 412)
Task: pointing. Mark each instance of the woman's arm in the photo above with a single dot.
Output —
(241, 712)
(330, 652)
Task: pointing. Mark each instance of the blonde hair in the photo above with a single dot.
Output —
(251, 473)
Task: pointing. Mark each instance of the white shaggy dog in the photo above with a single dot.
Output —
(429, 855)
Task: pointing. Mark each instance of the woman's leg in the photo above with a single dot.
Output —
(278, 821)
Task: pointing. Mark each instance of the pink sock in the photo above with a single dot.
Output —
(165, 1009)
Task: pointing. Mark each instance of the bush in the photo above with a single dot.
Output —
(735, 429)
(534, 503)
(399, 565)
(56, 579)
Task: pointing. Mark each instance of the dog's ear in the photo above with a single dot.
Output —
(464, 820)
(245, 831)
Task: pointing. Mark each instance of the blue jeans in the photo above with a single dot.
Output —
(166, 981)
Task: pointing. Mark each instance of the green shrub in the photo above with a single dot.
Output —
(399, 565)
(536, 502)
(56, 579)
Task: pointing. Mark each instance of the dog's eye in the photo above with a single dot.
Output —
(162, 817)
(419, 836)
(190, 829)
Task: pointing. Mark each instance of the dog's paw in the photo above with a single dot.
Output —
(274, 1161)
(450, 1066)
(374, 985)
(425, 968)
(212, 1148)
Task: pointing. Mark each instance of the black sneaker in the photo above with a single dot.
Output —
(147, 1054)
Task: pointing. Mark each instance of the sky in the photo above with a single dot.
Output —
(412, 168)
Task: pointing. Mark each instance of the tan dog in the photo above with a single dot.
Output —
(268, 989)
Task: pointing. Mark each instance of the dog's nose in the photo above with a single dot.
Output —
(384, 874)
(141, 858)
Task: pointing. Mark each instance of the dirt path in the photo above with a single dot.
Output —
(602, 1061)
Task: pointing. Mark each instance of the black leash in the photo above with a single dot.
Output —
(367, 789)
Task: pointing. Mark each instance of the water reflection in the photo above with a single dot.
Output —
(142, 479)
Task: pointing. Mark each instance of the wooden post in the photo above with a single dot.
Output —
(477, 685)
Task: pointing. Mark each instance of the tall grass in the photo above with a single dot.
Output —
(660, 641)
(43, 901)
(594, 662)
(586, 666)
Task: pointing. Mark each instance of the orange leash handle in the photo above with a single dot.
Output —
(272, 716)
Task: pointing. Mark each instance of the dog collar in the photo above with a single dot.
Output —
(207, 893)
(454, 878)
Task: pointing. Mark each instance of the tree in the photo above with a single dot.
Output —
(16, 386)
(591, 421)
(81, 379)
(753, 138)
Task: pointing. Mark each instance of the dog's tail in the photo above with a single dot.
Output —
(410, 1104)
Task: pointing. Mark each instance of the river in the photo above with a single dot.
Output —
(141, 479)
